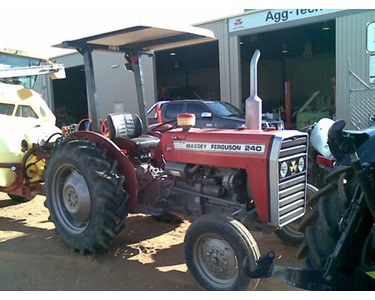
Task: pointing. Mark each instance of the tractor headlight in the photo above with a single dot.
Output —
(283, 169)
(301, 164)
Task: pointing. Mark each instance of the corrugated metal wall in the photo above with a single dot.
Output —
(116, 86)
(350, 43)
(229, 61)
(351, 32)
(70, 60)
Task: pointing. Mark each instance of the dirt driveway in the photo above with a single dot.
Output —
(147, 256)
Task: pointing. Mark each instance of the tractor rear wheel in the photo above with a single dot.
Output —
(290, 234)
(341, 229)
(215, 247)
(323, 231)
(84, 195)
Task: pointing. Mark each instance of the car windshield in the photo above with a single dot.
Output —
(225, 109)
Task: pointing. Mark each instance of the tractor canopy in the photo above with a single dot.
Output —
(133, 42)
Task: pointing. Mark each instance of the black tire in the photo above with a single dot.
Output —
(20, 198)
(215, 246)
(290, 234)
(323, 232)
(84, 196)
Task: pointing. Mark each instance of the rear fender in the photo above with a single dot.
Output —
(336, 172)
(124, 166)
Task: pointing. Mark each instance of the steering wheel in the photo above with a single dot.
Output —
(172, 123)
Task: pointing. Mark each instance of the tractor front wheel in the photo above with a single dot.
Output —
(84, 195)
(215, 247)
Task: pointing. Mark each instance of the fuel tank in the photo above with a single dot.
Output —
(16, 130)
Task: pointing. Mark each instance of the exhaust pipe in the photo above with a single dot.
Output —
(253, 106)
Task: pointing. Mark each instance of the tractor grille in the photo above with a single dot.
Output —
(292, 179)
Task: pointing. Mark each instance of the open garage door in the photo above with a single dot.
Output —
(300, 60)
(70, 97)
(190, 72)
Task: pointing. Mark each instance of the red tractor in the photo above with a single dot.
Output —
(225, 181)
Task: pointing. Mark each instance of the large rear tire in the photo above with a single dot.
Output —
(290, 234)
(323, 231)
(84, 195)
(215, 247)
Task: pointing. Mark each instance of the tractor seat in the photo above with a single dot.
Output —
(126, 129)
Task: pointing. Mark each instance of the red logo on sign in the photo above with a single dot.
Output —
(238, 22)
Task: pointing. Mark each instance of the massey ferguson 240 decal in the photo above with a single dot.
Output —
(220, 147)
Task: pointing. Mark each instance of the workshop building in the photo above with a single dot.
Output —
(314, 63)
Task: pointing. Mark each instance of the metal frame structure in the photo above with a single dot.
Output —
(56, 70)
(362, 101)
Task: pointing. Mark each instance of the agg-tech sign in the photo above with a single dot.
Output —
(275, 16)
(220, 147)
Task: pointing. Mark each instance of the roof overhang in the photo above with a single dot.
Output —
(141, 38)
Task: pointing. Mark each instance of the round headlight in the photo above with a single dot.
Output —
(283, 169)
(301, 164)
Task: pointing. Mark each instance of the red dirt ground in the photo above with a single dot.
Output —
(147, 256)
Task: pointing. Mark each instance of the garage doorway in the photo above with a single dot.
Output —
(190, 72)
(303, 56)
(70, 97)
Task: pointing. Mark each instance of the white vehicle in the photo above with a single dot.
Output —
(18, 101)
(27, 125)
(18, 74)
